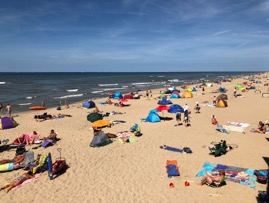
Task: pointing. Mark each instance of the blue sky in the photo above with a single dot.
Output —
(134, 35)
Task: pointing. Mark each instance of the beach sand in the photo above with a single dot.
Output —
(135, 172)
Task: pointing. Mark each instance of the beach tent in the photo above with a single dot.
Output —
(189, 89)
(221, 103)
(238, 86)
(194, 89)
(92, 117)
(7, 123)
(209, 84)
(223, 96)
(117, 95)
(175, 108)
(174, 96)
(128, 96)
(100, 139)
(222, 90)
(153, 118)
(187, 95)
(164, 101)
(88, 104)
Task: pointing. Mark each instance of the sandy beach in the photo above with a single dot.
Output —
(136, 172)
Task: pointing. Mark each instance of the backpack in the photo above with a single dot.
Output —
(187, 150)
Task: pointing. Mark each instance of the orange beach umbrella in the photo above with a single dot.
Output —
(101, 123)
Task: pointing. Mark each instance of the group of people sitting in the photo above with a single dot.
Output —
(34, 138)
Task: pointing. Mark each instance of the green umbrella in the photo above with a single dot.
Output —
(92, 117)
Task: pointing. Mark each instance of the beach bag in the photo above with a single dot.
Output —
(20, 150)
(262, 176)
(187, 150)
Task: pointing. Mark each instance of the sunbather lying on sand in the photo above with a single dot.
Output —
(261, 128)
(50, 117)
(15, 160)
(17, 181)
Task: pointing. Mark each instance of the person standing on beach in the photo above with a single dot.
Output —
(235, 91)
(214, 101)
(9, 108)
(43, 103)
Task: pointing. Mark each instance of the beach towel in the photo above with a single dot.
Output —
(233, 128)
(128, 140)
(173, 149)
(244, 125)
(28, 181)
(244, 176)
(222, 129)
(172, 168)
(47, 143)
(267, 131)
(209, 105)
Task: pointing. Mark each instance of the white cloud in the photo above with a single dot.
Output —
(221, 32)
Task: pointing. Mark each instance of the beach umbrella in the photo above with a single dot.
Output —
(50, 166)
(101, 123)
(162, 108)
(92, 117)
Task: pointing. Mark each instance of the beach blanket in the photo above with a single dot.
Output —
(240, 175)
(172, 168)
(244, 125)
(233, 128)
(267, 131)
(209, 105)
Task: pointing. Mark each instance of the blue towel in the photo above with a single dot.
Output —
(172, 170)
(222, 129)
(173, 149)
(221, 167)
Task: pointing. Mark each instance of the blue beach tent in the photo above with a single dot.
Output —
(164, 101)
(88, 104)
(174, 96)
(175, 108)
(153, 118)
(117, 95)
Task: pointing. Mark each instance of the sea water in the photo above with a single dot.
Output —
(22, 90)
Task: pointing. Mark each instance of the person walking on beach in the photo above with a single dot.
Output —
(214, 101)
(178, 118)
(186, 118)
(235, 91)
(9, 108)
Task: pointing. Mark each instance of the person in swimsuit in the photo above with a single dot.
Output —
(17, 181)
(15, 160)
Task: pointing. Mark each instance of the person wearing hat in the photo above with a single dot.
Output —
(197, 107)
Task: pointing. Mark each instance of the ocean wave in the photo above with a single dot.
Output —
(30, 97)
(174, 80)
(98, 91)
(141, 83)
(1, 83)
(107, 85)
(72, 90)
(116, 88)
(67, 96)
(24, 104)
